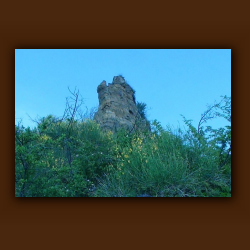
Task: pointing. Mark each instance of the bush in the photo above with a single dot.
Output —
(75, 158)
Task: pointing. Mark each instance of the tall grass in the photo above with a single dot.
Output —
(163, 164)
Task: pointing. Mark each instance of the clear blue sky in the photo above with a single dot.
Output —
(170, 81)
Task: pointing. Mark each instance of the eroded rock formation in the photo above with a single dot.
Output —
(117, 106)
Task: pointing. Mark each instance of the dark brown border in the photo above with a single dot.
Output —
(98, 220)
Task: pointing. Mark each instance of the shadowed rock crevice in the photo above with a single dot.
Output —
(117, 106)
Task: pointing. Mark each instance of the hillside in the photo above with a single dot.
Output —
(119, 153)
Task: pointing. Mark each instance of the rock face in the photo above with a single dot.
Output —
(117, 106)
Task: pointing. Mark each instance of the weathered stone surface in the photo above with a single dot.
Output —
(117, 106)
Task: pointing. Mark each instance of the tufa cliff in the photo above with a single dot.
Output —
(117, 107)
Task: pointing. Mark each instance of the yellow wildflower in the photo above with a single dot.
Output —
(45, 137)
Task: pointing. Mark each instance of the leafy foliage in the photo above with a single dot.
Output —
(141, 109)
(73, 157)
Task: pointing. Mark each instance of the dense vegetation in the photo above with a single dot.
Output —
(72, 157)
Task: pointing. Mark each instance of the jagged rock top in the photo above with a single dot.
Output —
(118, 79)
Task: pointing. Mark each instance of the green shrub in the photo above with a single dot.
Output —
(75, 158)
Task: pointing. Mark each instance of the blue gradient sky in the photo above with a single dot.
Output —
(171, 82)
